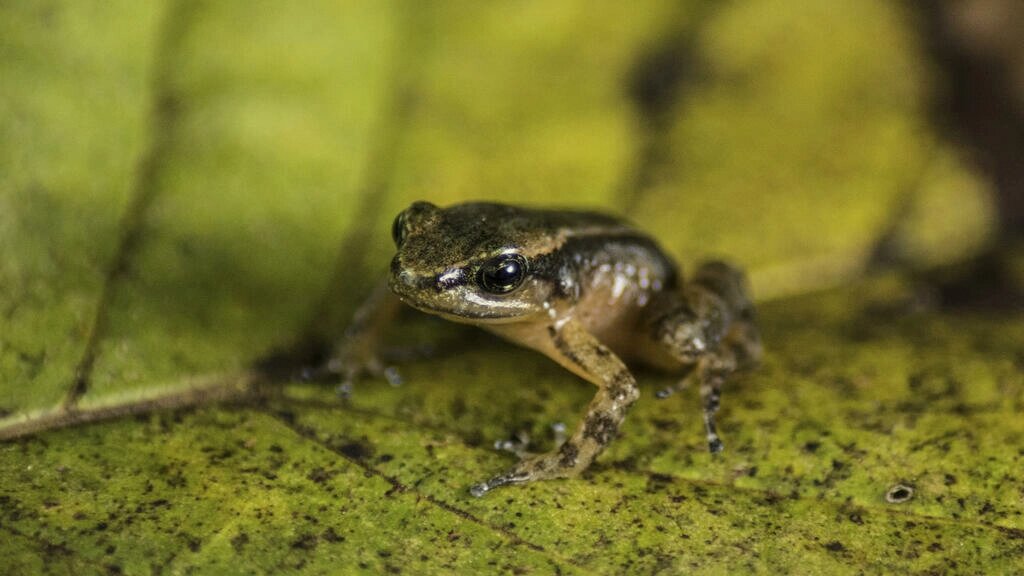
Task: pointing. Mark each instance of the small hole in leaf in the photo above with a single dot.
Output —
(899, 494)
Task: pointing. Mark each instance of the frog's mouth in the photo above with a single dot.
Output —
(468, 312)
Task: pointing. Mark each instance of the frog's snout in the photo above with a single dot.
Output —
(402, 282)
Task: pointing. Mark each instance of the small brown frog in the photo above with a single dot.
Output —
(585, 289)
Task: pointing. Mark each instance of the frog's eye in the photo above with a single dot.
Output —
(398, 229)
(502, 274)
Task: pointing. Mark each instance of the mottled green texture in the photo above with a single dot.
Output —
(73, 104)
(187, 187)
(846, 407)
(805, 118)
(261, 151)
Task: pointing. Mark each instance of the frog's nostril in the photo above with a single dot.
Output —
(407, 280)
(402, 282)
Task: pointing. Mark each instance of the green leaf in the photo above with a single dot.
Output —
(190, 188)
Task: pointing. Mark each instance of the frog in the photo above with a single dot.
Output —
(589, 290)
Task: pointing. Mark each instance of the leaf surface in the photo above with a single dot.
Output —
(190, 188)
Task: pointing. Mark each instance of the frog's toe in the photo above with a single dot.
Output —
(518, 445)
(669, 391)
(344, 390)
(351, 369)
(561, 463)
(393, 376)
(665, 393)
(515, 476)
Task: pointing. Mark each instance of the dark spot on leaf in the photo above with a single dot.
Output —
(657, 482)
(665, 425)
(474, 438)
(239, 541)
(812, 446)
(356, 450)
(221, 455)
(54, 550)
(319, 475)
(331, 536)
(835, 546)
(458, 407)
(286, 416)
(305, 542)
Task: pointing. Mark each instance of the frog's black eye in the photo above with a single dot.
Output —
(398, 229)
(503, 274)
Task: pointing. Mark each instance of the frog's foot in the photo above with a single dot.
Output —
(668, 391)
(351, 369)
(519, 444)
(560, 433)
(616, 391)
(561, 463)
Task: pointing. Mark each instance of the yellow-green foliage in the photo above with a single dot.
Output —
(187, 187)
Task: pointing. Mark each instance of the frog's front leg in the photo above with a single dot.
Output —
(360, 347)
(575, 348)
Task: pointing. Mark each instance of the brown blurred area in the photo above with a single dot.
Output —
(978, 50)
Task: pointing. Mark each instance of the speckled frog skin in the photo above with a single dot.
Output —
(585, 289)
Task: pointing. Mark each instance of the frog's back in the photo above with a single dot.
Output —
(492, 225)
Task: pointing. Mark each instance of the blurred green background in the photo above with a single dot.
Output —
(189, 188)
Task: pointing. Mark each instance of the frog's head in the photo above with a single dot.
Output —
(475, 262)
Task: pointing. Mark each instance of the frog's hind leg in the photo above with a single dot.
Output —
(710, 326)
(712, 371)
